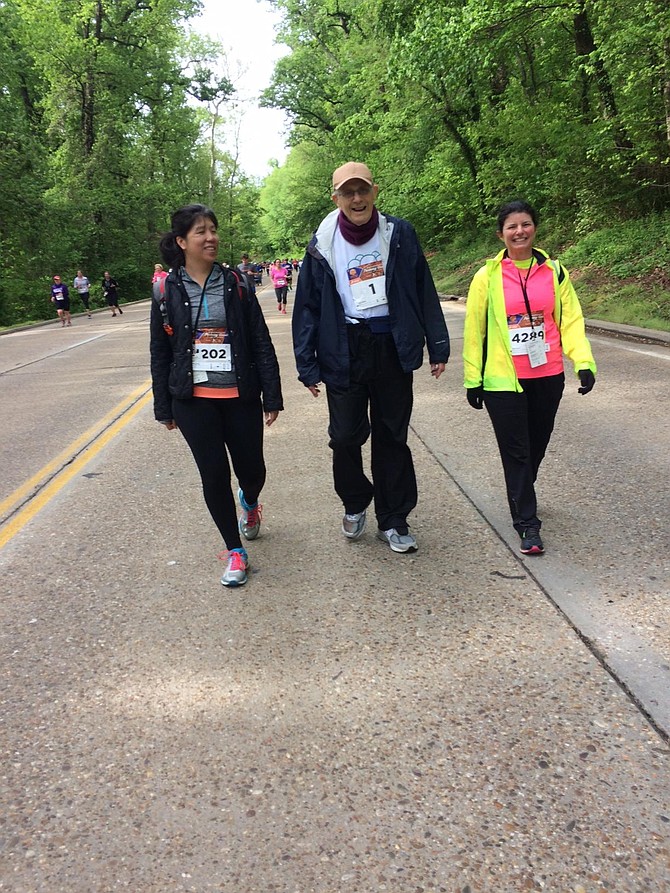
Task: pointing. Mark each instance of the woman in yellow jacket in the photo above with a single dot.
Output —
(522, 314)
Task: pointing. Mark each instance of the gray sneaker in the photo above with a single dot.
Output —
(354, 525)
(398, 542)
(250, 519)
(237, 566)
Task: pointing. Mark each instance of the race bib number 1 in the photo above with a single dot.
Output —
(368, 285)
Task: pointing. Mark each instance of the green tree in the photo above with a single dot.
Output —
(459, 104)
(294, 198)
(111, 114)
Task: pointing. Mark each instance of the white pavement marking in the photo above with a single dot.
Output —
(613, 342)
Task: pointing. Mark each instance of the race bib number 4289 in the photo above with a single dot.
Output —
(524, 337)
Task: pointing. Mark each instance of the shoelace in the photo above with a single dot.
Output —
(237, 562)
(254, 516)
(235, 558)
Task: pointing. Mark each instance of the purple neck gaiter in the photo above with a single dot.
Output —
(358, 235)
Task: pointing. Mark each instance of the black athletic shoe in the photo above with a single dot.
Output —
(531, 542)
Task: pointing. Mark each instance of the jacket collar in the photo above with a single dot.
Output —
(322, 242)
(540, 256)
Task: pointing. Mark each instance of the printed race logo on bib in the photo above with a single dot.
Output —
(367, 281)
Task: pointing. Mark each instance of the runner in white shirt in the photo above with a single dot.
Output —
(82, 287)
(365, 307)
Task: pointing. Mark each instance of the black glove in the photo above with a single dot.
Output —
(587, 379)
(475, 397)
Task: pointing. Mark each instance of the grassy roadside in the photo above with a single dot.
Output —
(621, 273)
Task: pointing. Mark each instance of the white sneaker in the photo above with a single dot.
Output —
(398, 542)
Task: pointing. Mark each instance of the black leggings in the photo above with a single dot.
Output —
(523, 424)
(209, 427)
(281, 294)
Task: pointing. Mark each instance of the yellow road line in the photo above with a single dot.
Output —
(54, 486)
(24, 490)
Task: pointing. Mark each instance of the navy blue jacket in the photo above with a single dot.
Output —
(320, 340)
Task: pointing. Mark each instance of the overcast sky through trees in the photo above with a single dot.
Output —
(247, 30)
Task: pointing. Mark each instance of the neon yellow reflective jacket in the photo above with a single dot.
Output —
(486, 338)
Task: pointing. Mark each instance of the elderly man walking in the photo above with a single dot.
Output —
(365, 307)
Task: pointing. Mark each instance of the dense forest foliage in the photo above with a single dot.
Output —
(107, 108)
(458, 105)
(110, 113)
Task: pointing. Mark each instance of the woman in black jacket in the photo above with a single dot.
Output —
(215, 373)
(110, 292)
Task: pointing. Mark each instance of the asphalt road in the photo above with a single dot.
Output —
(603, 493)
(604, 488)
(465, 718)
(60, 382)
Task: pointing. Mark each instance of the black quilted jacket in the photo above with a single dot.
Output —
(256, 363)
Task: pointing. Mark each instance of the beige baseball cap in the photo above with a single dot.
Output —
(352, 170)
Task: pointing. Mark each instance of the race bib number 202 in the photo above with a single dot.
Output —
(212, 352)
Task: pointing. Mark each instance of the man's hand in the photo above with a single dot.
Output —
(271, 417)
(170, 425)
(314, 390)
(436, 369)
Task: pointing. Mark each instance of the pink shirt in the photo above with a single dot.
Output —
(541, 297)
(278, 276)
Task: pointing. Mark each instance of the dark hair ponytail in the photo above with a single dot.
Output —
(516, 207)
(171, 252)
(182, 222)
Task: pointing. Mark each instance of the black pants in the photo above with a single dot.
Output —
(281, 294)
(378, 382)
(523, 424)
(209, 426)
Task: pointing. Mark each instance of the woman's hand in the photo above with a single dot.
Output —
(475, 397)
(587, 379)
(271, 417)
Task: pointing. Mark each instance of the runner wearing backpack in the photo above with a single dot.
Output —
(215, 374)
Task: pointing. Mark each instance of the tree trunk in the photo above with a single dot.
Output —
(585, 46)
(468, 154)
(88, 86)
(212, 156)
